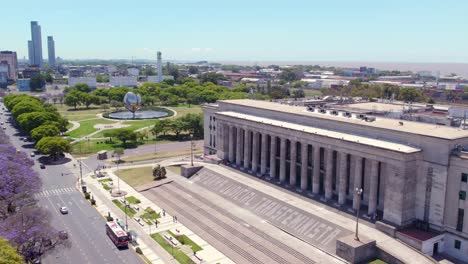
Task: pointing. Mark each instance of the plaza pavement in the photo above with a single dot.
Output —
(389, 244)
(149, 247)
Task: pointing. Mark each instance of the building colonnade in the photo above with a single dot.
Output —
(304, 165)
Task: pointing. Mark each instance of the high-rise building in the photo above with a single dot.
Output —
(51, 49)
(11, 59)
(35, 45)
(30, 52)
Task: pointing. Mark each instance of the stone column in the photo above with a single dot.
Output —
(247, 149)
(231, 144)
(273, 157)
(328, 173)
(263, 155)
(316, 172)
(373, 187)
(342, 178)
(239, 147)
(357, 179)
(304, 166)
(255, 152)
(282, 168)
(293, 164)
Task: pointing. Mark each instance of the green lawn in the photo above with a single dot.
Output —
(377, 261)
(87, 127)
(174, 169)
(130, 211)
(132, 200)
(136, 176)
(184, 240)
(92, 146)
(177, 253)
(150, 214)
(80, 114)
(134, 125)
(308, 92)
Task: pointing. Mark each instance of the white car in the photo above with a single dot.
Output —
(32, 155)
(64, 210)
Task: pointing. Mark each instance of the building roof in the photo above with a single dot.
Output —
(326, 133)
(424, 129)
(381, 107)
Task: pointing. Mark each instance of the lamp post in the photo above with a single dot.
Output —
(191, 149)
(358, 192)
(126, 223)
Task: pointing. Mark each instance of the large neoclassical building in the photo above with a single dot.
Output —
(409, 172)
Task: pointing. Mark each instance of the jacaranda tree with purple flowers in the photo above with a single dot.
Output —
(18, 180)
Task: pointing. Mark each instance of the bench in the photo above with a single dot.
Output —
(136, 219)
(199, 258)
(136, 208)
(169, 238)
(123, 201)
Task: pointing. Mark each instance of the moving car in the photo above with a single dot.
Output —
(64, 210)
(32, 155)
(42, 166)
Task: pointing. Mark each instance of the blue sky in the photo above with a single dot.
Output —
(293, 30)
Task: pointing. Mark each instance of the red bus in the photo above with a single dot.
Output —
(117, 234)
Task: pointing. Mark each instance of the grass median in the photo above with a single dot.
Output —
(176, 252)
(130, 211)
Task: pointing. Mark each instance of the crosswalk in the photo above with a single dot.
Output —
(52, 192)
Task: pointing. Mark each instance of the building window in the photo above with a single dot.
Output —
(462, 195)
(214, 118)
(457, 244)
(464, 177)
(460, 218)
(214, 127)
(211, 118)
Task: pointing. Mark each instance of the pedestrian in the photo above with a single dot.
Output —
(175, 217)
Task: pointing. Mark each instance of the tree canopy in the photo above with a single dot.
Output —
(53, 146)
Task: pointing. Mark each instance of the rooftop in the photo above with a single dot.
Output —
(326, 133)
(379, 107)
(424, 129)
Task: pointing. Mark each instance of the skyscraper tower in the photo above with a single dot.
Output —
(51, 49)
(35, 46)
(160, 77)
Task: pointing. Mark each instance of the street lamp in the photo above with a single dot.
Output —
(358, 192)
(125, 211)
(191, 149)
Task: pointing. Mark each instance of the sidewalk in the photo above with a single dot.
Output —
(151, 249)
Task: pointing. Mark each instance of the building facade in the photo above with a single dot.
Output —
(120, 81)
(409, 172)
(90, 81)
(12, 60)
(51, 52)
(23, 85)
(35, 45)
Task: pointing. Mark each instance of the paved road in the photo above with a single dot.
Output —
(85, 226)
(239, 241)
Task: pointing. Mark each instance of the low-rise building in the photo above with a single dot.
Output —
(90, 81)
(154, 79)
(120, 81)
(23, 85)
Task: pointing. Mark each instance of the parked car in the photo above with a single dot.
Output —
(42, 166)
(64, 210)
(32, 155)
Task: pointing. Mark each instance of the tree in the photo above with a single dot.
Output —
(125, 134)
(18, 181)
(410, 95)
(159, 172)
(26, 107)
(29, 121)
(178, 126)
(37, 83)
(193, 69)
(193, 123)
(82, 87)
(118, 152)
(8, 254)
(44, 131)
(88, 99)
(289, 75)
(212, 77)
(12, 99)
(299, 93)
(73, 98)
(53, 146)
(159, 127)
(32, 233)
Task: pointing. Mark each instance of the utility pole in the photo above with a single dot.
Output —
(191, 149)
(358, 197)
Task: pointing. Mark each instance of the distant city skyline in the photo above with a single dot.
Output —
(393, 31)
